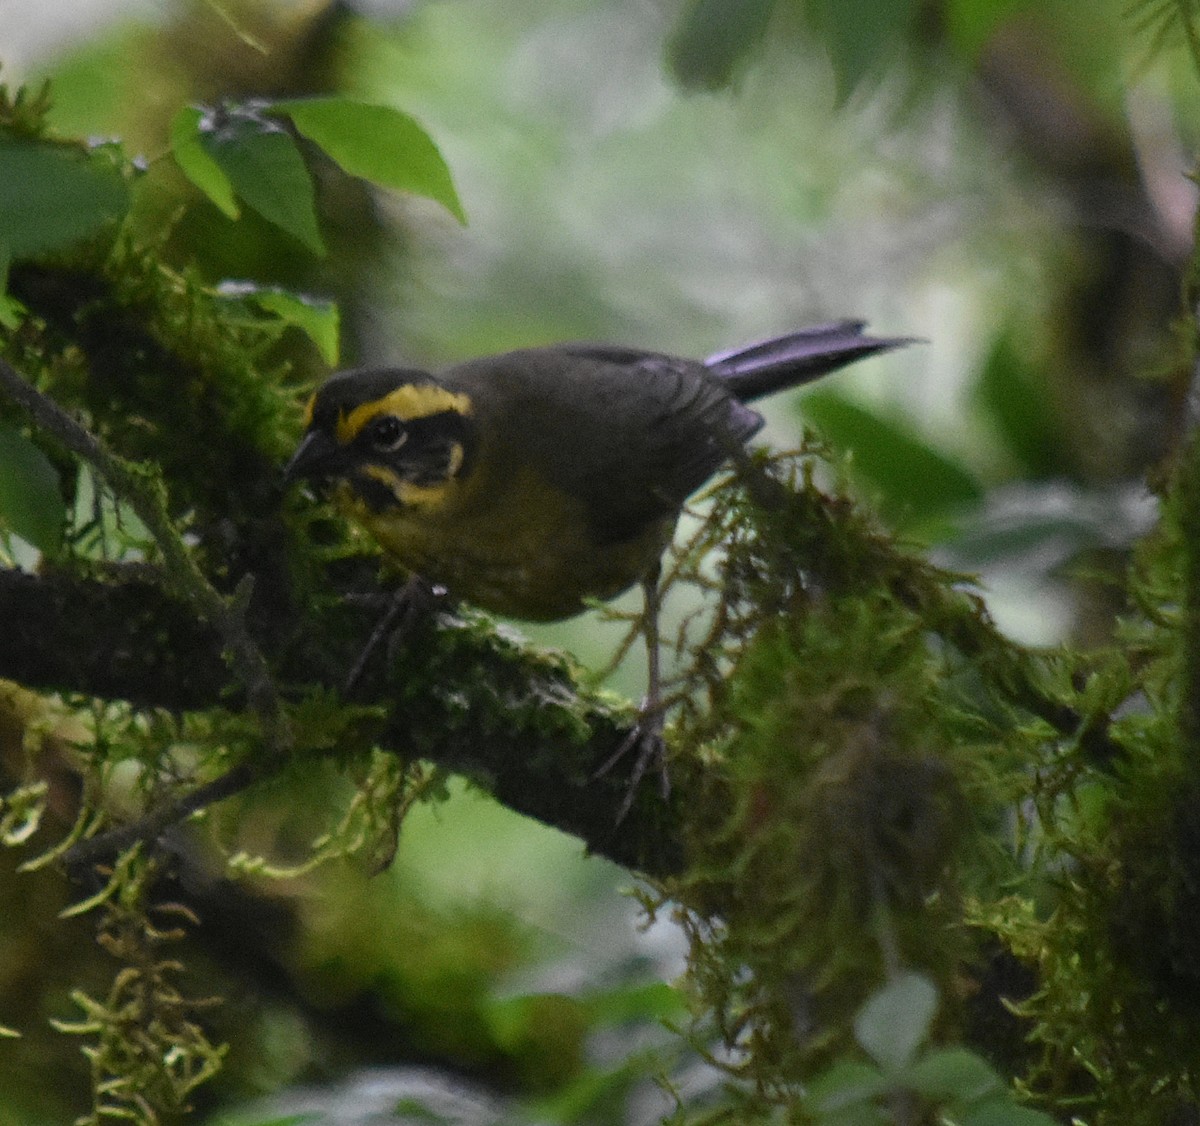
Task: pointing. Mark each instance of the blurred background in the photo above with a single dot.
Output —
(1008, 180)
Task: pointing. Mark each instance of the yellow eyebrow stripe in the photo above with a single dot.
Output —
(412, 400)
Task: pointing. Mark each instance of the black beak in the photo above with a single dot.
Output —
(314, 458)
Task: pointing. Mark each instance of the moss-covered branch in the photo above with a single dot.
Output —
(143, 491)
(464, 696)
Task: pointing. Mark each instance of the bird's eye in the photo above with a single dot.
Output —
(388, 434)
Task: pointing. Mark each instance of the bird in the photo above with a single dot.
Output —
(535, 482)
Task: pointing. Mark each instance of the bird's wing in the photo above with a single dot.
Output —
(631, 434)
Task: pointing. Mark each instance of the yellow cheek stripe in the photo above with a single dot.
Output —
(412, 400)
(384, 475)
(426, 497)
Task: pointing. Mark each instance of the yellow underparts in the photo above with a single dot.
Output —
(525, 553)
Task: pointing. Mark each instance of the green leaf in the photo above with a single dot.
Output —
(105, 526)
(713, 38)
(54, 195)
(917, 482)
(587, 1094)
(265, 168)
(412, 1110)
(1002, 1112)
(648, 1001)
(514, 1020)
(1020, 406)
(843, 1085)
(861, 36)
(895, 1021)
(317, 318)
(197, 164)
(378, 143)
(970, 23)
(31, 502)
(953, 1073)
(858, 1114)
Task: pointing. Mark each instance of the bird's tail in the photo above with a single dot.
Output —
(755, 370)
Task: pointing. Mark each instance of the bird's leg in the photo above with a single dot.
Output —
(406, 607)
(646, 739)
(650, 717)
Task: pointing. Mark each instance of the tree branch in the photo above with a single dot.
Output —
(143, 492)
(127, 639)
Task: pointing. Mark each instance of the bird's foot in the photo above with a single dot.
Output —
(648, 748)
(406, 608)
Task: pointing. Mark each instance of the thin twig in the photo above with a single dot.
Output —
(148, 827)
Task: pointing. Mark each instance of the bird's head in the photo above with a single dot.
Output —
(387, 437)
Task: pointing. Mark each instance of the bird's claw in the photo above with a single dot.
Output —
(406, 607)
(646, 743)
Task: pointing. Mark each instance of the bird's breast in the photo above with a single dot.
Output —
(524, 550)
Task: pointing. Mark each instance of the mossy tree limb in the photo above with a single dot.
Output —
(128, 640)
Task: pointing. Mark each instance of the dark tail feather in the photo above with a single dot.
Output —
(771, 365)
